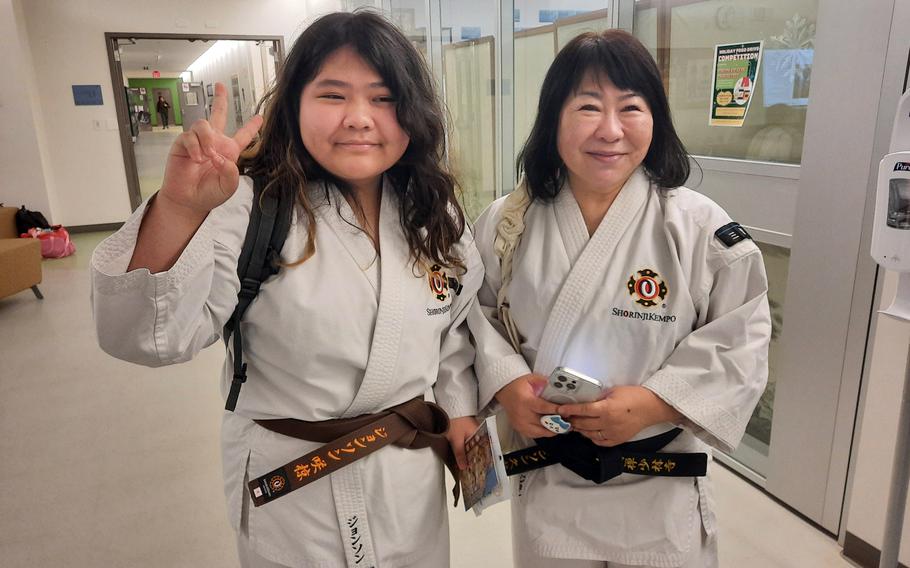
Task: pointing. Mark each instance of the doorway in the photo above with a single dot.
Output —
(182, 69)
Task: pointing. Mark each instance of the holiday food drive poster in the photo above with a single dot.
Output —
(735, 72)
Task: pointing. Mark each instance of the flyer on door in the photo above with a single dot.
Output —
(735, 73)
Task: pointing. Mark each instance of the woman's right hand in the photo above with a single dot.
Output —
(201, 171)
(524, 407)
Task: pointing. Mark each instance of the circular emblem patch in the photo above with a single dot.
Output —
(439, 284)
(276, 483)
(647, 288)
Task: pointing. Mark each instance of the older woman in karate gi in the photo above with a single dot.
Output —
(622, 274)
(368, 311)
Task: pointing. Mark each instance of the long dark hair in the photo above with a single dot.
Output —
(618, 56)
(430, 216)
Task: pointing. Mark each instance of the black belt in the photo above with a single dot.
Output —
(599, 464)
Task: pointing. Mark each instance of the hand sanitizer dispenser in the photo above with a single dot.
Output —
(891, 230)
(891, 249)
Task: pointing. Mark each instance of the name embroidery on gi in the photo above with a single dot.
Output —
(647, 288)
(441, 284)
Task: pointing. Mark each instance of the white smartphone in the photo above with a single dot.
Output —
(566, 386)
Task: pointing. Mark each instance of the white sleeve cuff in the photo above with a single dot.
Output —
(498, 375)
(713, 424)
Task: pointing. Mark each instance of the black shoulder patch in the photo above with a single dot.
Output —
(732, 233)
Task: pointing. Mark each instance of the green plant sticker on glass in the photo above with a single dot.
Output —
(735, 73)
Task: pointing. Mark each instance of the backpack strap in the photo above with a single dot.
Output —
(508, 235)
(260, 258)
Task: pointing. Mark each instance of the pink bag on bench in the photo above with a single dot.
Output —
(55, 242)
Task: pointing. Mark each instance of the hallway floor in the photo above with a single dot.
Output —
(109, 464)
(151, 155)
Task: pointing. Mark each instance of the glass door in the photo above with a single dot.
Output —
(784, 174)
(795, 173)
(765, 152)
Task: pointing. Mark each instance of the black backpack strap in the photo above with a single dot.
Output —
(260, 258)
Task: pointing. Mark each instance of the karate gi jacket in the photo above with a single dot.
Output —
(343, 334)
(652, 298)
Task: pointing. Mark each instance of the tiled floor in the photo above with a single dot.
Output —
(108, 464)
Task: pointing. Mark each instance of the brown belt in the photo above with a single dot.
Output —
(414, 424)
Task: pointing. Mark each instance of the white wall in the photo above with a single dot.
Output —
(23, 158)
(887, 353)
(85, 169)
(872, 476)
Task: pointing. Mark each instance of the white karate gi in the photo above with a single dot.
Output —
(341, 335)
(701, 347)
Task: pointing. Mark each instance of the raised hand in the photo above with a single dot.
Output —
(200, 175)
(201, 171)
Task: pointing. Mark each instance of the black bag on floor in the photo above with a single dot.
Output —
(26, 220)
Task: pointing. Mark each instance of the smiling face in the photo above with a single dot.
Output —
(348, 120)
(604, 135)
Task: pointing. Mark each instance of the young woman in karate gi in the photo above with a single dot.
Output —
(618, 274)
(356, 321)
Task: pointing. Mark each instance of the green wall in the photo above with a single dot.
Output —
(150, 84)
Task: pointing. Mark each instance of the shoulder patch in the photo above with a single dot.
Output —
(732, 233)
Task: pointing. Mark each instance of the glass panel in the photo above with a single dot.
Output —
(534, 51)
(410, 16)
(645, 25)
(776, 119)
(541, 29)
(594, 21)
(754, 449)
(469, 87)
(469, 67)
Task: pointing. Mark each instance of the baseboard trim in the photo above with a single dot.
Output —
(94, 228)
(861, 552)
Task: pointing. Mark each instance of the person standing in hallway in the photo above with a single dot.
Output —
(163, 107)
(602, 263)
(365, 318)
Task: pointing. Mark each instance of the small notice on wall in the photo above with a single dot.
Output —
(87, 95)
(735, 72)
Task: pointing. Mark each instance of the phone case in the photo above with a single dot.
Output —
(566, 386)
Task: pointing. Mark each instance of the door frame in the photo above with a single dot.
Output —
(123, 120)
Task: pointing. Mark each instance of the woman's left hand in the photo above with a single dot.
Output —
(621, 414)
(460, 429)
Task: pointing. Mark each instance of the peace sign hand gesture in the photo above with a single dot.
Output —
(201, 171)
(200, 175)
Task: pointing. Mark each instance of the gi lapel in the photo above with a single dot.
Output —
(340, 217)
(347, 483)
(580, 284)
(371, 396)
(571, 225)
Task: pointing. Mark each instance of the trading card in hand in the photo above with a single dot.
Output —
(484, 481)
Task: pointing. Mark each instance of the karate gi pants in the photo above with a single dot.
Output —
(703, 554)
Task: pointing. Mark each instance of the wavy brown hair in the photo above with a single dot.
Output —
(430, 215)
